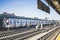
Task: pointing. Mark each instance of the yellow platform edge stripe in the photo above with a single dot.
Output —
(58, 37)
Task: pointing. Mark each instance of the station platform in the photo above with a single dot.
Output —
(58, 37)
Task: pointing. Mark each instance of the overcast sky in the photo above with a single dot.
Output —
(27, 8)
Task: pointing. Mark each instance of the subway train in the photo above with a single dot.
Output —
(11, 21)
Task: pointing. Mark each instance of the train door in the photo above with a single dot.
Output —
(28, 23)
(17, 22)
(31, 22)
(23, 22)
(35, 22)
(11, 22)
(14, 22)
(20, 22)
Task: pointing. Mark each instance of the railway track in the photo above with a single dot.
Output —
(7, 33)
(27, 35)
(20, 34)
(11, 32)
(14, 36)
(32, 34)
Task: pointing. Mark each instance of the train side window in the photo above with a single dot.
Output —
(17, 21)
(7, 23)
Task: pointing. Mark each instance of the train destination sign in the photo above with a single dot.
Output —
(42, 6)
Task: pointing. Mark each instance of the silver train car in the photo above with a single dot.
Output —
(10, 21)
